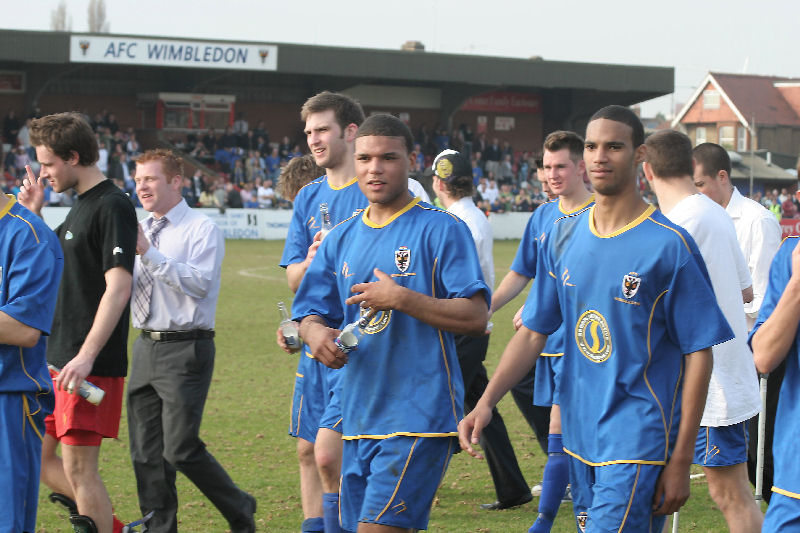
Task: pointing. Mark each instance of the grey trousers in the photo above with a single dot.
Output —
(167, 389)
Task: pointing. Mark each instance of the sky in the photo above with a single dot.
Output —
(693, 36)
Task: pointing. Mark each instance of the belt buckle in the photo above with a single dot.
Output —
(156, 335)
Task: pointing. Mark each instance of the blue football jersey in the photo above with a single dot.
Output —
(787, 419)
(539, 225)
(342, 203)
(632, 303)
(404, 378)
(30, 272)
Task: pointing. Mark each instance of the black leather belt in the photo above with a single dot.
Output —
(187, 335)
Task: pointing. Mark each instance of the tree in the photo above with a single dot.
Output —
(97, 17)
(58, 18)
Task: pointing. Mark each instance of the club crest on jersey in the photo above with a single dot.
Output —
(630, 284)
(402, 258)
(376, 323)
(593, 336)
(582, 518)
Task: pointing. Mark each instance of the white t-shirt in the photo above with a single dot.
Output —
(481, 232)
(265, 196)
(418, 190)
(733, 390)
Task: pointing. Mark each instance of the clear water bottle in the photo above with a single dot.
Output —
(289, 328)
(351, 334)
(325, 219)
(88, 391)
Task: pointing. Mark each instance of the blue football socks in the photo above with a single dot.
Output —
(330, 512)
(313, 525)
(554, 484)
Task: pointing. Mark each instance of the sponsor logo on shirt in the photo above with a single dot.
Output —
(117, 250)
(346, 270)
(377, 323)
(582, 518)
(593, 336)
(630, 284)
(402, 258)
(68, 236)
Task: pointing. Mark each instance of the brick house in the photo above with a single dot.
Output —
(726, 107)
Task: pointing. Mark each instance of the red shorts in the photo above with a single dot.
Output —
(77, 422)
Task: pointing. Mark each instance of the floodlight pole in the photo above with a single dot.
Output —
(752, 154)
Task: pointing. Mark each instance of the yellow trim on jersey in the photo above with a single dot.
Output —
(438, 210)
(299, 414)
(404, 274)
(630, 501)
(676, 231)
(299, 375)
(629, 302)
(616, 461)
(371, 224)
(647, 381)
(309, 355)
(401, 434)
(786, 493)
(337, 423)
(789, 237)
(35, 236)
(402, 475)
(630, 225)
(346, 185)
(551, 354)
(29, 417)
(583, 206)
(441, 343)
(9, 205)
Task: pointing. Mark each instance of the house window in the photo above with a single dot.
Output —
(726, 137)
(700, 136)
(741, 139)
(710, 99)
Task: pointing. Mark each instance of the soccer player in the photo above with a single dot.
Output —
(775, 338)
(452, 184)
(629, 287)
(416, 266)
(759, 236)
(176, 286)
(90, 328)
(30, 271)
(733, 396)
(564, 170)
(331, 122)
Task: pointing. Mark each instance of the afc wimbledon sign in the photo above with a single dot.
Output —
(136, 51)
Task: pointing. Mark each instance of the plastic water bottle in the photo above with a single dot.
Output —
(289, 328)
(88, 391)
(325, 219)
(352, 333)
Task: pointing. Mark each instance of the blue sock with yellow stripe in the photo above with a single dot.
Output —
(554, 484)
(330, 512)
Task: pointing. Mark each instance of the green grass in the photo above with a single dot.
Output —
(247, 415)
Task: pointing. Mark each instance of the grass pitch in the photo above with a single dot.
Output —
(247, 417)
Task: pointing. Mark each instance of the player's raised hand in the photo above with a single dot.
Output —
(31, 194)
(470, 428)
(672, 488)
(381, 295)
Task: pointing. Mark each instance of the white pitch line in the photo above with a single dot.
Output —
(253, 273)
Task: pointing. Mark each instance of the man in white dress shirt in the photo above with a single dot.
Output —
(452, 184)
(759, 236)
(733, 397)
(176, 285)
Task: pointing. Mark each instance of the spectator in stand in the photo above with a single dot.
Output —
(491, 156)
(254, 166)
(491, 192)
(788, 209)
(240, 126)
(187, 192)
(506, 150)
(249, 198)
(477, 171)
(296, 175)
(273, 163)
(442, 141)
(506, 170)
(102, 163)
(239, 176)
(233, 198)
(248, 141)
(112, 125)
(296, 152)
(208, 198)
(262, 145)
(228, 139)
(220, 194)
(523, 202)
(265, 194)
(11, 127)
(21, 159)
(504, 201)
(261, 132)
(284, 148)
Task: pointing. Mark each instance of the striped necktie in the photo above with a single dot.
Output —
(144, 281)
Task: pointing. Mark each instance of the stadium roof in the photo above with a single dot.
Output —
(396, 67)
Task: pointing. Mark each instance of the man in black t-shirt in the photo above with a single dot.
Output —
(90, 329)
